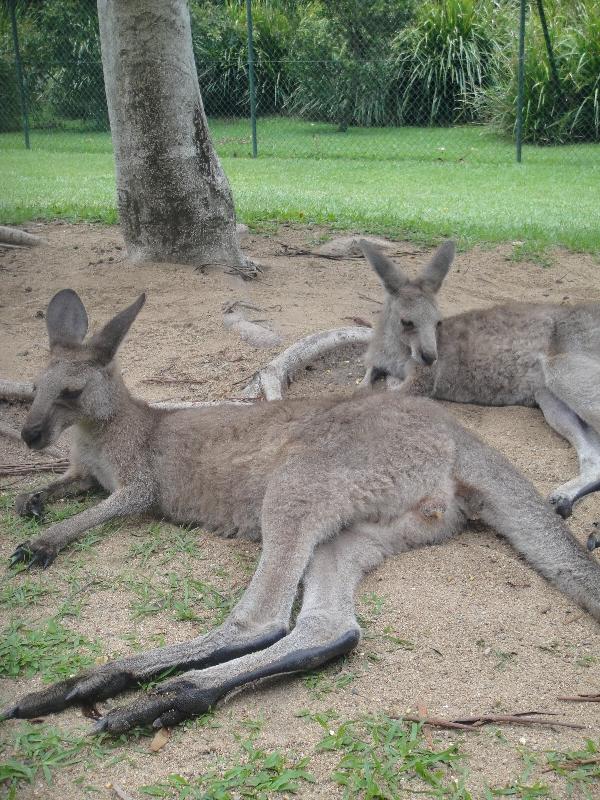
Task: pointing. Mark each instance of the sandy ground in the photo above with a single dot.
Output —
(487, 633)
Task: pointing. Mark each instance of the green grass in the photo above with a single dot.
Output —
(252, 772)
(419, 183)
(39, 751)
(383, 757)
(51, 650)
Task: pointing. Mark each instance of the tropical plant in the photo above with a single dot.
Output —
(554, 112)
(452, 49)
(219, 37)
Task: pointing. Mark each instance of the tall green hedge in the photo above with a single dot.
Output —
(351, 62)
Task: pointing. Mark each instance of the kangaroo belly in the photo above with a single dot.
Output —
(493, 356)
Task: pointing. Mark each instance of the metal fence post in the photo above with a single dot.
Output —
(251, 81)
(521, 79)
(23, 96)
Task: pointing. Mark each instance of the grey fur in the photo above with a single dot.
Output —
(527, 354)
(333, 486)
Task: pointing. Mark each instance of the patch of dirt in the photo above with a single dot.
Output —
(487, 634)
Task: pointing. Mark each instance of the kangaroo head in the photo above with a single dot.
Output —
(410, 317)
(81, 381)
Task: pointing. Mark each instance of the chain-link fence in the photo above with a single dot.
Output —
(363, 79)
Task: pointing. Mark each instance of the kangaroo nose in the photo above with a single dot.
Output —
(428, 358)
(32, 435)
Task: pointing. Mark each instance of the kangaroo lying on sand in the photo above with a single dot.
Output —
(528, 354)
(333, 485)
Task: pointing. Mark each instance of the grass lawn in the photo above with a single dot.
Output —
(405, 182)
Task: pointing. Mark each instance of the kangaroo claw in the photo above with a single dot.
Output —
(40, 555)
(9, 713)
(165, 707)
(593, 540)
(562, 505)
(30, 505)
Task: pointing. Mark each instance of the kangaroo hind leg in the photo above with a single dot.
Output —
(571, 405)
(326, 628)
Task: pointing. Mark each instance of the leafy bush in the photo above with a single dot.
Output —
(555, 113)
(10, 118)
(219, 38)
(60, 49)
(339, 62)
(452, 50)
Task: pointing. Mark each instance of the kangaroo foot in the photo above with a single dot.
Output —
(34, 554)
(30, 505)
(563, 504)
(593, 540)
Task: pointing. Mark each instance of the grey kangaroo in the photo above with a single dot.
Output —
(333, 485)
(529, 354)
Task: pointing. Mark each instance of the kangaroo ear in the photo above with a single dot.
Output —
(391, 276)
(437, 269)
(66, 319)
(106, 342)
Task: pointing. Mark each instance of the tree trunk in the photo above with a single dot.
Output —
(173, 197)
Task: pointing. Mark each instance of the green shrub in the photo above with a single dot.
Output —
(60, 49)
(10, 107)
(219, 37)
(563, 113)
(452, 50)
(340, 67)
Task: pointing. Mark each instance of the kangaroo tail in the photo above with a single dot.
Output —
(509, 503)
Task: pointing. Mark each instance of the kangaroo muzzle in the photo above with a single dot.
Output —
(33, 436)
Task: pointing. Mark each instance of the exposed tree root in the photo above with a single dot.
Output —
(470, 723)
(272, 380)
(15, 236)
(249, 330)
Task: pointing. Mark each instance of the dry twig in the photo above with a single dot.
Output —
(583, 698)
(470, 723)
(60, 465)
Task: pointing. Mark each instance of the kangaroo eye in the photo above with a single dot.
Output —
(439, 325)
(407, 324)
(70, 394)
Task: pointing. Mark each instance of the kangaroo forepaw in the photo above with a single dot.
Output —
(165, 707)
(563, 505)
(34, 554)
(30, 505)
(593, 540)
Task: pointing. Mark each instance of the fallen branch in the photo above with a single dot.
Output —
(19, 237)
(15, 391)
(289, 250)
(362, 323)
(370, 299)
(583, 698)
(160, 380)
(28, 469)
(471, 723)
(271, 380)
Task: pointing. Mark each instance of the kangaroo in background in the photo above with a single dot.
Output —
(528, 354)
(333, 485)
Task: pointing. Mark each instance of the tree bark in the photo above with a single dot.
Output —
(174, 200)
